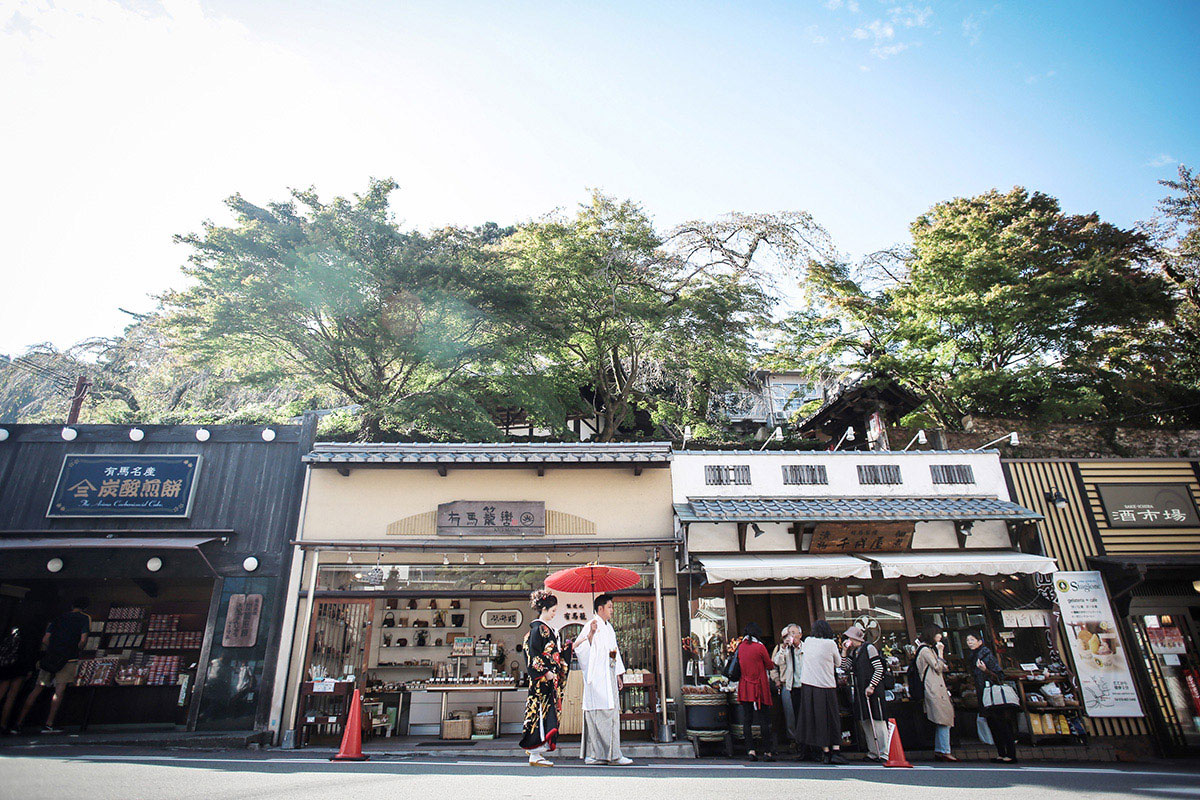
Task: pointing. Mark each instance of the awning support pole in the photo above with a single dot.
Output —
(662, 646)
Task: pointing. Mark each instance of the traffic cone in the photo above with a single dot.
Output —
(895, 749)
(352, 736)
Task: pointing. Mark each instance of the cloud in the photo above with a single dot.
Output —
(813, 34)
(884, 51)
(972, 28)
(911, 16)
(876, 29)
(1161, 160)
(849, 5)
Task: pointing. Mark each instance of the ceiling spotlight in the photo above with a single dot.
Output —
(250, 564)
(69, 434)
(268, 435)
(481, 561)
(349, 558)
(3, 434)
(1014, 440)
(54, 565)
(136, 434)
(445, 561)
(1056, 497)
(758, 531)
(202, 434)
(547, 558)
(154, 563)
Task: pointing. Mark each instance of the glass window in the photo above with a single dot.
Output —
(876, 607)
(709, 631)
(446, 577)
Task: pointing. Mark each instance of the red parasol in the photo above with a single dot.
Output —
(592, 578)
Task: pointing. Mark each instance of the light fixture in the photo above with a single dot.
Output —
(848, 436)
(1013, 441)
(3, 434)
(445, 561)
(1196, 586)
(547, 558)
(154, 563)
(758, 531)
(775, 434)
(481, 561)
(268, 435)
(920, 438)
(202, 434)
(250, 563)
(69, 434)
(1056, 497)
(54, 565)
(349, 558)
(136, 434)
(966, 525)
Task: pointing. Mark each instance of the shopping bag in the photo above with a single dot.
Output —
(985, 730)
(999, 695)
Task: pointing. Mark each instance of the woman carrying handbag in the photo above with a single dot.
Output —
(997, 700)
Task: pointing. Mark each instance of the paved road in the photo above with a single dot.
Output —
(48, 772)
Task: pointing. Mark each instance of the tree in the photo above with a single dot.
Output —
(1006, 305)
(399, 322)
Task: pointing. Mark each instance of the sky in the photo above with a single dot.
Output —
(123, 124)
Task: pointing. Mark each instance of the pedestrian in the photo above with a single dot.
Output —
(19, 649)
(1001, 720)
(600, 658)
(864, 664)
(59, 662)
(931, 666)
(819, 722)
(754, 691)
(547, 665)
(787, 657)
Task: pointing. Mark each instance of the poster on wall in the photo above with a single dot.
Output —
(1100, 659)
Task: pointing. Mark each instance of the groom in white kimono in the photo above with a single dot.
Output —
(600, 658)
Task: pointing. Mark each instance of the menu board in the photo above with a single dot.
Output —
(1100, 660)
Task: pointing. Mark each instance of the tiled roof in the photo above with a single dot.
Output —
(849, 509)
(485, 454)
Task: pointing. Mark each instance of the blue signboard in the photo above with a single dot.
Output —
(125, 486)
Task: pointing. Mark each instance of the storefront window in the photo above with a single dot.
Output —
(1170, 655)
(876, 608)
(444, 577)
(957, 613)
(709, 635)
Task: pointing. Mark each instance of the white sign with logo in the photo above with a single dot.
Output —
(1100, 660)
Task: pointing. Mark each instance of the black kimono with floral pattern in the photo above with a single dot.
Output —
(548, 667)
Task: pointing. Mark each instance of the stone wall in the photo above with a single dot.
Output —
(1087, 440)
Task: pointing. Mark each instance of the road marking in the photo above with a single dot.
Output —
(832, 770)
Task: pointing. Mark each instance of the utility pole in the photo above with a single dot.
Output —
(82, 384)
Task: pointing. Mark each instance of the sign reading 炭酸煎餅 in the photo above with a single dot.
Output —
(862, 537)
(492, 518)
(1148, 505)
(1100, 661)
(125, 486)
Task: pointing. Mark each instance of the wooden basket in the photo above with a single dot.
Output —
(457, 728)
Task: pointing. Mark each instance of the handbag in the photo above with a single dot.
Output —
(999, 695)
(733, 668)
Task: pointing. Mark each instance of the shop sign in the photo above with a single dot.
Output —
(501, 618)
(1025, 618)
(862, 537)
(1100, 660)
(125, 486)
(1148, 505)
(492, 518)
(241, 620)
(463, 647)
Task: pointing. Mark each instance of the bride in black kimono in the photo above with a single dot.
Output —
(548, 666)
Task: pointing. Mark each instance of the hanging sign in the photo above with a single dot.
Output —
(241, 621)
(125, 486)
(501, 618)
(1100, 660)
(862, 537)
(1148, 505)
(492, 518)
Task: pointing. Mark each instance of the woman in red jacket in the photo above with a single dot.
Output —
(754, 691)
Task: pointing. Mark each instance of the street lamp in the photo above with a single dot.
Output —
(1013, 441)
(920, 438)
(848, 436)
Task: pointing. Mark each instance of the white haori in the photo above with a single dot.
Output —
(600, 671)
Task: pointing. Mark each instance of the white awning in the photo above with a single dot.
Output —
(774, 566)
(980, 562)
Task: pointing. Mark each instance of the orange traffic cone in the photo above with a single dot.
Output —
(895, 749)
(352, 736)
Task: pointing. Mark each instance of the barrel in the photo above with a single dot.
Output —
(706, 712)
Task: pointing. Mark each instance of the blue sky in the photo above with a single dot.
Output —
(131, 121)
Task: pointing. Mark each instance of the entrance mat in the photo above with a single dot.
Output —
(451, 743)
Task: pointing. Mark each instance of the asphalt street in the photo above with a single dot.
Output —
(48, 772)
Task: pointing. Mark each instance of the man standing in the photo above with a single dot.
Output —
(603, 669)
(58, 664)
(787, 658)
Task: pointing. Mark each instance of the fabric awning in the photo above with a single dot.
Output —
(772, 566)
(103, 543)
(969, 562)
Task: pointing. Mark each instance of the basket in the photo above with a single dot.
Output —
(485, 721)
(457, 728)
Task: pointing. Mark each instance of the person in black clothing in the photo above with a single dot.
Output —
(58, 665)
(1001, 720)
(21, 644)
(866, 668)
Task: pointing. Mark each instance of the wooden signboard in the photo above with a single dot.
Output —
(241, 621)
(492, 518)
(862, 537)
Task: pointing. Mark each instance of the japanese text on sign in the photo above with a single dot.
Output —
(125, 486)
(492, 518)
(1148, 505)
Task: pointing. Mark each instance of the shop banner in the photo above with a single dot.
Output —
(125, 486)
(1100, 660)
(1148, 505)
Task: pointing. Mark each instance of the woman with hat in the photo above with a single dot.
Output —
(866, 668)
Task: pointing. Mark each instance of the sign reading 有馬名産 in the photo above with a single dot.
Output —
(1148, 505)
(125, 486)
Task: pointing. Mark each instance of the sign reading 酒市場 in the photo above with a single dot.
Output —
(1148, 505)
(125, 486)
(492, 518)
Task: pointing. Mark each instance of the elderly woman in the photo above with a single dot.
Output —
(931, 667)
(788, 657)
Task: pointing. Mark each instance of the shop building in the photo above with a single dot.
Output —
(1132, 526)
(412, 572)
(889, 540)
(179, 536)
